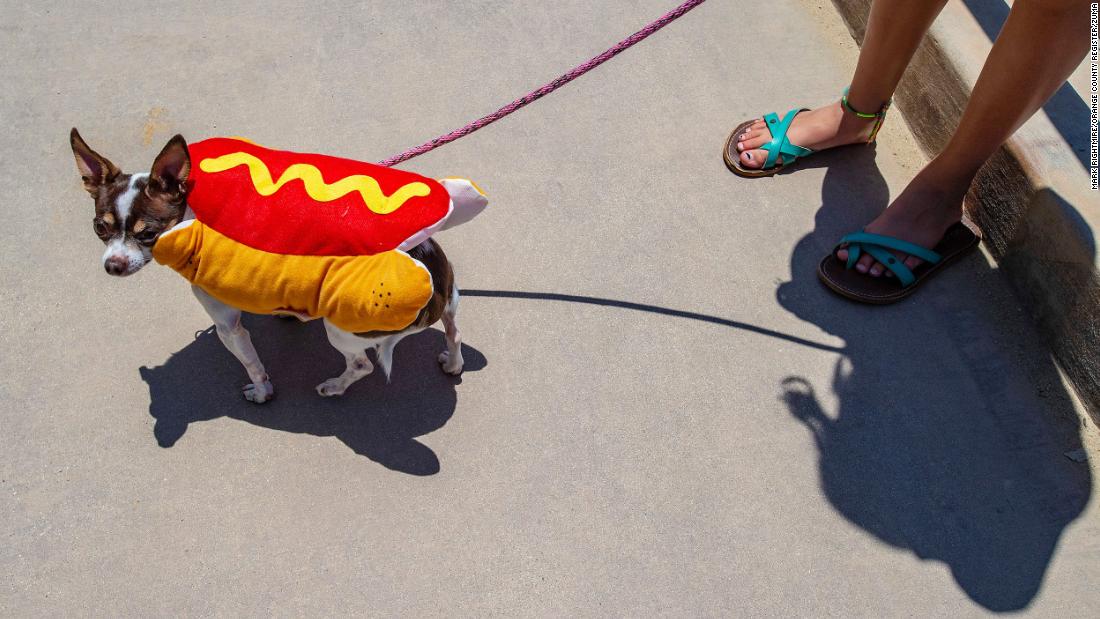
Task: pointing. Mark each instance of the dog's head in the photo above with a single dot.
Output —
(132, 210)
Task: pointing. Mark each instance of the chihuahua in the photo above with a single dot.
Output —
(132, 211)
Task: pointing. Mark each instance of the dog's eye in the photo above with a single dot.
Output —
(147, 235)
(100, 227)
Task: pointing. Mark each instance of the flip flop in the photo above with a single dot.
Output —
(780, 145)
(960, 239)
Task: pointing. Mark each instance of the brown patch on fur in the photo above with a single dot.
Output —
(155, 211)
(443, 280)
(106, 198)
(147, 212)
(161, 198)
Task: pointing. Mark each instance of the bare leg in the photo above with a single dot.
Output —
(227, 323)
(451, 359)
(894, 30)
(1021, 73)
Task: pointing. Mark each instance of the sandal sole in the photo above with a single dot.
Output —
(959, 240)
(734, 162)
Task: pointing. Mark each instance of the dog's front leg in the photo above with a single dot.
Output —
(227, 322)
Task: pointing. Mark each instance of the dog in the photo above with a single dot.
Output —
(134, 211)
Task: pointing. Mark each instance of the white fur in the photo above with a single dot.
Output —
(451, 359)
(354, 349)
(227, 324)
(126, 200)
(135, 254)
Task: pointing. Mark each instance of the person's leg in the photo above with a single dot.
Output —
(1042, 42)
(894, 29)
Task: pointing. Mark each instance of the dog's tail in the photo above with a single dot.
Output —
(467, 199)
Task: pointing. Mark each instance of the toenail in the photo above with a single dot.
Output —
(749, 155)
(740, 146)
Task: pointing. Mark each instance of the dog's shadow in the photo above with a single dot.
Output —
(378, 420)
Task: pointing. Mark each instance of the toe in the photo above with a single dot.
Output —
(913, 263)
(864, 264)
(876, 269)
(751, 133)
(842, 255)
(752, 143)
(756, 159)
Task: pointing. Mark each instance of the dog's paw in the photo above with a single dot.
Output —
(258, 393)
(454, 368)
(332, 387)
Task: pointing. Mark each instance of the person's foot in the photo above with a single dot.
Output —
(923, 212)
(818, 129)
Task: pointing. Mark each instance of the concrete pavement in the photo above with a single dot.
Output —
(762, 449)
(1033, 200)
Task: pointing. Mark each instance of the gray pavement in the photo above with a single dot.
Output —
(776, 452)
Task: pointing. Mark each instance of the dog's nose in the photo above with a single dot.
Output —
(116, 265)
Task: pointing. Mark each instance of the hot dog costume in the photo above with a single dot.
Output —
(311, 235)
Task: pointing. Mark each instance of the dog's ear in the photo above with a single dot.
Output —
(168, 178)
(95, 170)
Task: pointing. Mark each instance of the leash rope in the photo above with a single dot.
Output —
(539, 93)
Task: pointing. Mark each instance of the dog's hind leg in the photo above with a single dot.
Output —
(383, 348)
(227, 323)
(451, 359)
(354, 349)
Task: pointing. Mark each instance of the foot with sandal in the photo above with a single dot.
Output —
(924, 228)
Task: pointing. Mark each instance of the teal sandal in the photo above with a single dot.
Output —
(842, 278)
(780, 145)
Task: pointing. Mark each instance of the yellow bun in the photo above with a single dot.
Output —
(383, 292)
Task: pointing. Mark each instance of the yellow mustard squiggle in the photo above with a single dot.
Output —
(315, 184)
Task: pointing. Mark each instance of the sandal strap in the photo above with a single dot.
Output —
(879, 247)
(780, 144)
(889, 242)
(890, 261)
(880, 115)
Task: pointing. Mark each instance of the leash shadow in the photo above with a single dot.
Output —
(374, 419)
(939, 443)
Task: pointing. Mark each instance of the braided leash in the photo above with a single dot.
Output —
(621, 46)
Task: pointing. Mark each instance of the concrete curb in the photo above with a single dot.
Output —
(1031, 200)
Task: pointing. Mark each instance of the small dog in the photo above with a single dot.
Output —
(132, 211)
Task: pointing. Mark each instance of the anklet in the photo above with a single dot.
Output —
(880, 115)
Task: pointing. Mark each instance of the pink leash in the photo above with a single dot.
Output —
(626, 43)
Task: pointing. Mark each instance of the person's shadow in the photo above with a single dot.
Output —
(378, 420)
(940, 443)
